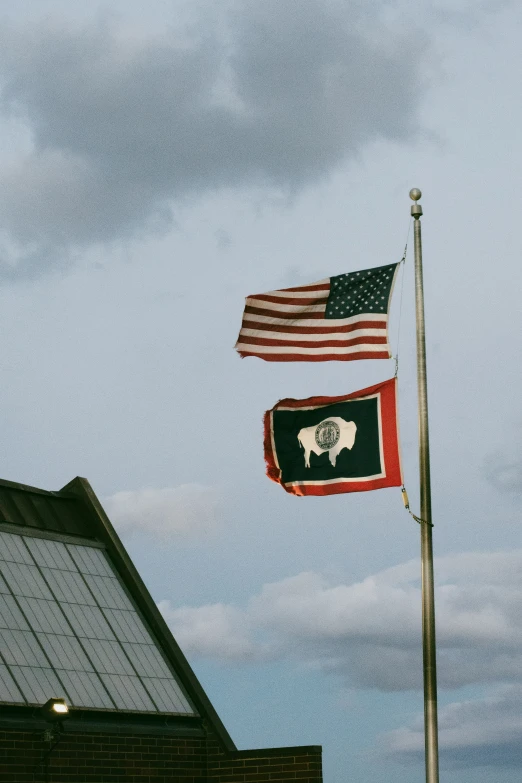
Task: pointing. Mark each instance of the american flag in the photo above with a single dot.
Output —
(340, 318)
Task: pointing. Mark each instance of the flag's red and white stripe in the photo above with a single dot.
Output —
(290, 326)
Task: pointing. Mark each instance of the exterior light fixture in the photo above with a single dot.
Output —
(55, 710)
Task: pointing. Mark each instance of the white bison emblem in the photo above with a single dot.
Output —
(332, 435)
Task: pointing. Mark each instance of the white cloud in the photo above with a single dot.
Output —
(369, 632)
(477, 732)
(215, 631)
(189, 509)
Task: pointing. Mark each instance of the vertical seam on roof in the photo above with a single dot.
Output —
(75, 635)
(101, 608)
(42, 522)
(50, 506)
(14, 513)
(24, 507)
(15, 598)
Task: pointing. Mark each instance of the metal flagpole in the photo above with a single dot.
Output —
(431, 748)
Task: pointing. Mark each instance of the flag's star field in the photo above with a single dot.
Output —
(355, 293)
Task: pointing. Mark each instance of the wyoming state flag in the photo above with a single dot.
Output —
(329, 445)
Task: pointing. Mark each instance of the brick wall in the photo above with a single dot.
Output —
(102, 758)
(88, 757)
(300, 764)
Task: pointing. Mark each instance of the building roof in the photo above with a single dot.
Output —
(36, 509)
(76, 620)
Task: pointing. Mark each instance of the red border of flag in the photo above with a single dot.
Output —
(390, 440)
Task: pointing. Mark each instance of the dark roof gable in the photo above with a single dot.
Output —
(55, 512)
(75, 511)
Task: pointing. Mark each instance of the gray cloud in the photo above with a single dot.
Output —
(369, 632)
(504, 472)
(122, 128)
(474, 733)
(503, 467)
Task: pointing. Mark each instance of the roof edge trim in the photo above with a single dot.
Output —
(84, 721)
(36, 490)
(80, 487)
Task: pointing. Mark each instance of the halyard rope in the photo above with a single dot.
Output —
(403, 262)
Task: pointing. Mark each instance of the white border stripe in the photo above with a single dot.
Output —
(381, 441)
(305, 483)
(283, 349)
(333, 481)
(326, 405)
(274, 452)
(397, 426)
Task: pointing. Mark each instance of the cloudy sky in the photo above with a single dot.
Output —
(158, 162)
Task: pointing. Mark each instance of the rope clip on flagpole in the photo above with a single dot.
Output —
(406, 502)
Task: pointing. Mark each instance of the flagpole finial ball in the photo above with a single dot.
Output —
(415, 194)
